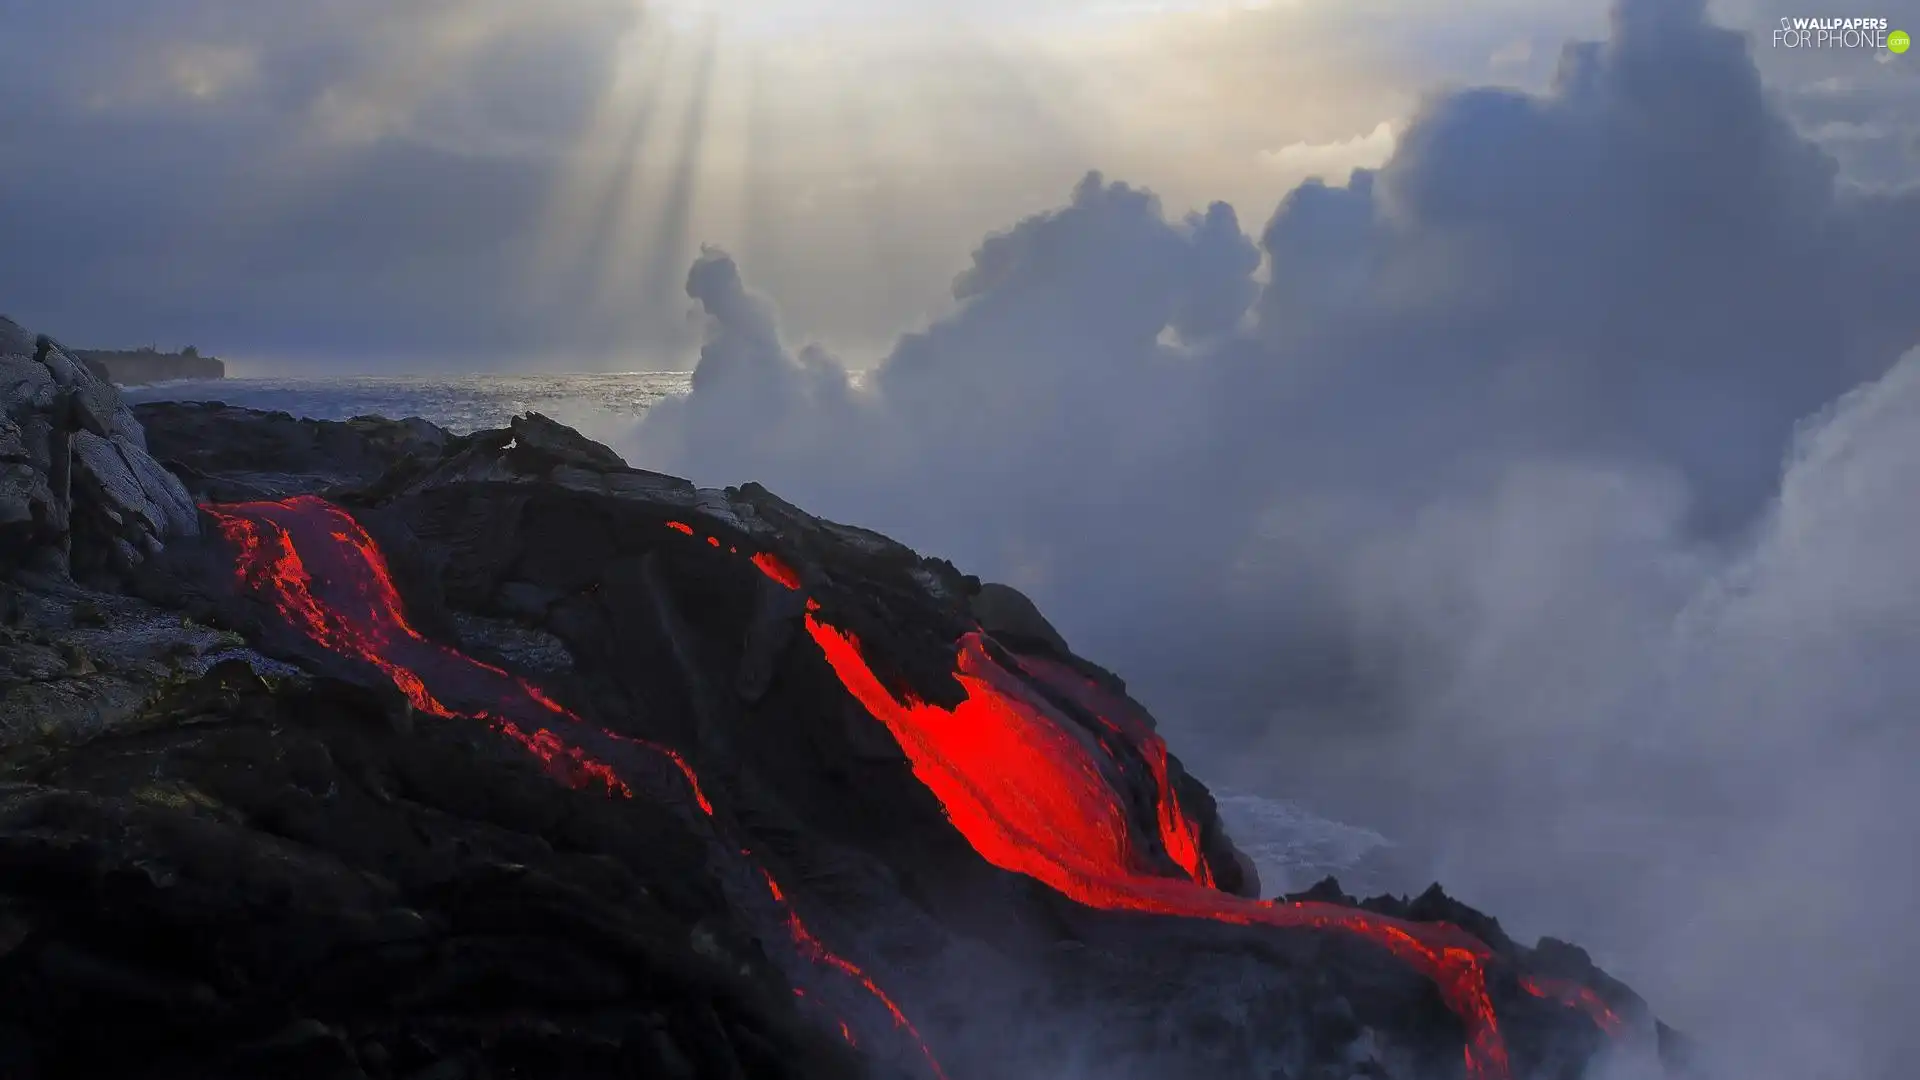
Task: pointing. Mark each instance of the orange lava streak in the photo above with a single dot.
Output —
(352, 607)
(772, 566)
(561, 758)
(1179, 833)
(693, 779)
(281, 574)
(357, 612)
(1575, 996)
(1030, 799)
(812, 948)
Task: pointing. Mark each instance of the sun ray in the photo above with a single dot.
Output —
(867, 150)
(599, 178)
(609, 217)
(760, 156)
(666, 253)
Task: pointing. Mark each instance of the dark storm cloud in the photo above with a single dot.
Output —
(334, 175)
(1474, 522)
(1648, 259)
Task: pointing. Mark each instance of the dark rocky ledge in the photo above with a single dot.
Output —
(229, 851)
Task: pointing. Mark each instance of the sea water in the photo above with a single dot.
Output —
(595, 404)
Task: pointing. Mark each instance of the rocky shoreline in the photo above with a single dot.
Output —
(364, 750)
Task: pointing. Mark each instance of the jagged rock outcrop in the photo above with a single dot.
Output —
(438, 833)
(79, 494)
(1005, 612)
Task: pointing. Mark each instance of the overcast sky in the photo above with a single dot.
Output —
(482, 184)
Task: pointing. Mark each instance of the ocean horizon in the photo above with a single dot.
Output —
(599, 405)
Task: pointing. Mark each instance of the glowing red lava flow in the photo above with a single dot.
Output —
(1178, 832)
(771, 566)
(1574, 996)
(1030, 799)
(769, 563)
(814, 950)
(327, 578)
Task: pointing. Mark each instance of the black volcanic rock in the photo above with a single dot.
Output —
(271, 877)
(1007, 614)
(232, 454)
(226, 850)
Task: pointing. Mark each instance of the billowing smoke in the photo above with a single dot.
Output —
(1549, 505)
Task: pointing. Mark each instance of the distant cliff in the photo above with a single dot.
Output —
(149, 365)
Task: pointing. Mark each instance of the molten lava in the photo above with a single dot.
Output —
(1575, 996)
(1030, 799)
(328, 580)
(1179, 834)
(820, 954)
(772, 566)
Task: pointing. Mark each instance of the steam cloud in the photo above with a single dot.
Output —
(1551, 504)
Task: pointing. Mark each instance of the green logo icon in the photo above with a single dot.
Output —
(1898, 41)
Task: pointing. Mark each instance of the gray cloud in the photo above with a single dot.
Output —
(1471, 523)
(1648, 230)
(366, 185)
(1829, 92)
(343, 177)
